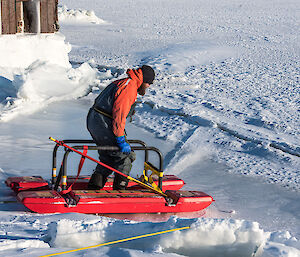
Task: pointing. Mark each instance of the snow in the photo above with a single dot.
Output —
(17, 51)
(21, 244)
(224, 110)
(203, 236)
(206, 236)
(33, 91)
(66, 15)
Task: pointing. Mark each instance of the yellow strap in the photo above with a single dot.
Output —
(157, 189)
(118, 241)
(149, 179)
(103, 113)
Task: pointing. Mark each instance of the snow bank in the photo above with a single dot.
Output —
(70, 233)
(35, 71)
(43, 83)
(214, 237)
(22, 244)
(20, 51)
(77, 15)
(206, 237)
(281, 244)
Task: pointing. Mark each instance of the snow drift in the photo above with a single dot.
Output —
(206, 237)
(20, 51)
(35, 71)
(43, 83)
(77, 15)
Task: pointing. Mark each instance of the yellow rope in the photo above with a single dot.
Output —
(118, 241)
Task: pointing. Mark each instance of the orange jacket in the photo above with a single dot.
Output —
(125, 97)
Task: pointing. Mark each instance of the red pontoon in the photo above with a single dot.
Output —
(151, 193)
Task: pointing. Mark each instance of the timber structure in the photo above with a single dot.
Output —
(28, 16)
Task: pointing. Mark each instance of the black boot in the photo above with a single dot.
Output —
(120, 182)
(97, 181)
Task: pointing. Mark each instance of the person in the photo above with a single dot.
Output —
(106, 123)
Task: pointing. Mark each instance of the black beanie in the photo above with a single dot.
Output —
(148, 74)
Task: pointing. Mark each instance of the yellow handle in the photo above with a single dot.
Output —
(53, 139)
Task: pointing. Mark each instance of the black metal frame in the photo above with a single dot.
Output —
(63, 167)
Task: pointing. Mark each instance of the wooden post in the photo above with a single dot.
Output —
(12, 17)
(48, 16)
(51, 15)
(44, 16)
(19, 17)
(5, 16)
(8, 17)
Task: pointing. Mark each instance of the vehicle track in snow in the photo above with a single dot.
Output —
(248, 112)
(203, 122)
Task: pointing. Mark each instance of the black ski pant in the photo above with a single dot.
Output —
(117, 160)
(100, 128)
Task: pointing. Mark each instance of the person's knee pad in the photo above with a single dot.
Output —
(120, 182)
(97, 181)
(132, 156)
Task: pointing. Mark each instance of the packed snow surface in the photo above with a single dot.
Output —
(224, 110)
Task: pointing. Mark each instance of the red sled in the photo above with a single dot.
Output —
(151, 193)
(37, 183)
(113, 201)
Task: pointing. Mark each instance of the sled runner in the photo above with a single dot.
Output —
(153, 192)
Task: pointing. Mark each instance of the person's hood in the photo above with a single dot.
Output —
(136, 75)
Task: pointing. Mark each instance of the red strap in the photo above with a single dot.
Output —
(85, 150)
